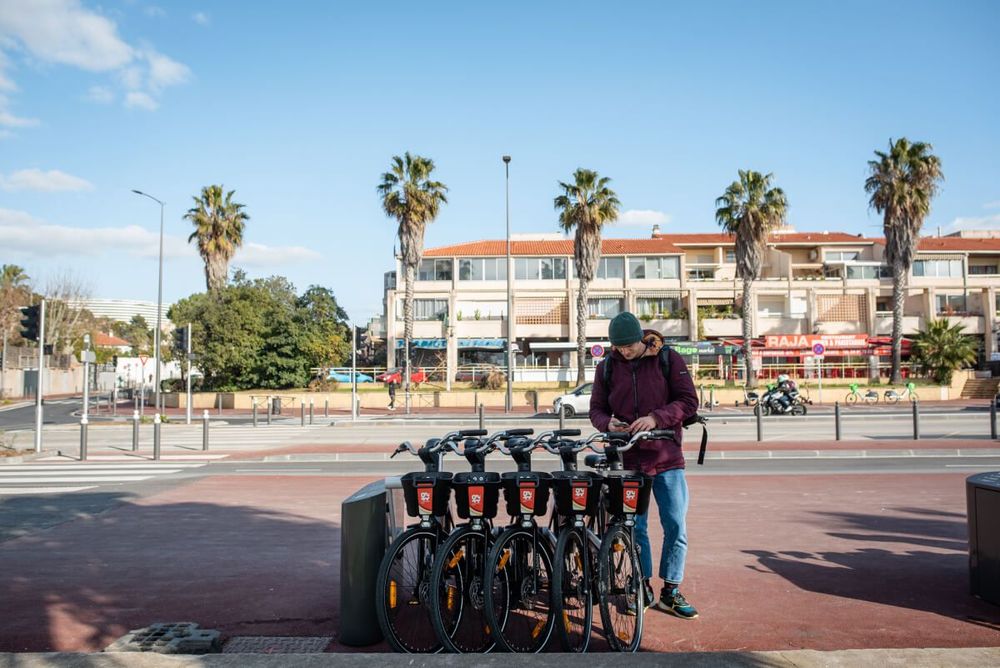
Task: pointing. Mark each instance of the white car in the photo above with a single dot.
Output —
(575, 402)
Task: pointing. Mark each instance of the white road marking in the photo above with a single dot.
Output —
(118, 478)
(42, 490)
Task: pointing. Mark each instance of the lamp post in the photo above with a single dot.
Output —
(159, 301)
(510, 294)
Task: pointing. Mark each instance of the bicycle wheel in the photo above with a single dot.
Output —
(572, 594)
(892, 398)
(457, 599)
(402, 588)
(619, 590)
(519, 591)
(852, 398)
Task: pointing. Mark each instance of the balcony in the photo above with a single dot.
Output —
(972, 323)
(485, 328)
(780, 325)
(669, 326)
(716, 327)
(912, 324)
(422, 329)
(841, 327)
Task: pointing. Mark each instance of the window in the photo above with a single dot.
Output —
(653, 267)
(938, 268)
(700, 274)
(611, 267)
(951, 304)
(841, 256)
(868, 271)
(604, 307)
(657, 308)
(883, 304)
(540, 268)
(771, 307)
(982, 269)
(731, 256)
(429, 309)
(482, 269)
(434, 270)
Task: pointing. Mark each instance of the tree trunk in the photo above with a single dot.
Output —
(408, 272)
(898, 301)
(748, 309)
(581, 333)
(216, 272)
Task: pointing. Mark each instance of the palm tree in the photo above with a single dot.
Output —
(218, 228)
(750, 209)
(902, 183)
(413, 200)
(942, 348)
(587, 204)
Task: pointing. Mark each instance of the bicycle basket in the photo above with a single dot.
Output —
(526, 492)
(476, 494)
(628, 492)
(577, 492)
(426, 493)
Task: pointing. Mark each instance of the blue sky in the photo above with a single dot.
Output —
(299, 106)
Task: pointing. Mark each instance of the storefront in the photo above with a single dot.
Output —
(841, 355)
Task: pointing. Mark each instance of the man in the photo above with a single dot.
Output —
(638, 398)
(392, 394)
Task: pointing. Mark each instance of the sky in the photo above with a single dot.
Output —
(300, 106)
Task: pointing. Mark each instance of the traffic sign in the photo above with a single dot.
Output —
(597, 350)
(142, 359)
(819, 349)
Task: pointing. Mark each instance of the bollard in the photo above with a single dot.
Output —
(204, 431)
(482, 418)
(562, 418)
(156, 436)
(310, 411)
(701, 395)
(135, 431)
(114, 403)
(255, 412)
(916, 422)
(711, 398)
(534, 400)
(993, 418)
(836, 419)
(326, 408)
(268, 409)
(475, 401)
(220, 403)
(83, 438)
(302, 412)
(760, 423)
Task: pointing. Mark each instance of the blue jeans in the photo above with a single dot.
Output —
(671, 493)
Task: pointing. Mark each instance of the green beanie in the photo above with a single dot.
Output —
(624, 329)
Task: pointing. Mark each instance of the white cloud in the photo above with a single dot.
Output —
(9, 120)
(201, 18)
(256, 255)
(64, 32)
(136, 100)
(100, 95)
(643, 218)
(974, 223)
(50, 181)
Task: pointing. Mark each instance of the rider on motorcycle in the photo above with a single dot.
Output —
(787, 391)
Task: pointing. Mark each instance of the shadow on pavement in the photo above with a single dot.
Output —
(932, 576)
(115, 563)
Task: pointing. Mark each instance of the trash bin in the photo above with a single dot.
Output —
(275, 405)
(362, 544)
(982, 493)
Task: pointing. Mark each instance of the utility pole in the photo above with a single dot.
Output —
(41, 376)
(86, 375)
(510, 295)
(188, 411)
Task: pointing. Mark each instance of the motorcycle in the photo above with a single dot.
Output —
(770, 403)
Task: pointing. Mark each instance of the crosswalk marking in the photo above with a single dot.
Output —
(43, 490)
(96, 467)
(118, 478)
(56, 478)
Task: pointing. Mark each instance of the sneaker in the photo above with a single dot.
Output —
(672, 601)
(647, 598)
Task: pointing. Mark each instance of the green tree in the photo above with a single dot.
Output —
(750, 209)
(902, 183)
(327, 334)
(586, 205)
(413, 200)
(941, 349)
(137, 332)
(218, 229)
(15, 291)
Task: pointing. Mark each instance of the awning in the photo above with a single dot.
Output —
(540, 346)
(442, 344)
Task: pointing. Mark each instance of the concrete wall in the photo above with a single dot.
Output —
(21, 383)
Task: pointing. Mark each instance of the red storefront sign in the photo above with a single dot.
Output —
(807, 341)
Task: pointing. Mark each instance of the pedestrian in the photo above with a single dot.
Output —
(633, 394)
(392, 394)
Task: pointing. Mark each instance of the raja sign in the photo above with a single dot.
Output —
(807, 341)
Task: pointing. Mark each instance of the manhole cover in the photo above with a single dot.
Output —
(275, 645)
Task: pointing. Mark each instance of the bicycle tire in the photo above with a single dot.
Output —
(525, 625)
(620, 586)
(852, 398)
(457, 583)
(572, 593)
(397, 577)
(891, 399)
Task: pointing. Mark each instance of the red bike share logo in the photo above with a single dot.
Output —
(475, 501)
(425, 499)
(580, 497)
(630, 497)
(528, 499)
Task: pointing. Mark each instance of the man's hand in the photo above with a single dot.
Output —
(618, 425)
(645, 423)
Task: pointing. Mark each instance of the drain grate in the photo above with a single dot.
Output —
(276, 645)
(168, 638)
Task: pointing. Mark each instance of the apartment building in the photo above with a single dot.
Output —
(816, 287)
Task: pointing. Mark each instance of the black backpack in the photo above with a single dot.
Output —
(664, 360)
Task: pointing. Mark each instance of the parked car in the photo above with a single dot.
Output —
(572, 403)
(345, 376)
(395, 375)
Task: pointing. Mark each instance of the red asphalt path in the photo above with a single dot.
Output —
(776, 562)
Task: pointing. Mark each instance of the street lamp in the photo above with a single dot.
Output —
(510, 295)
(159, 300)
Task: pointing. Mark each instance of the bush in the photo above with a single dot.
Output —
(323, 385)
(493, 380)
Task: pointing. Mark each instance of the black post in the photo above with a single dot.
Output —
(916, 422)
(254, 411)
(562, 418)
(135, 431)
(83, 439)
(482, 419)
(220, 403)
(993, 417)
(326, 407)
(310, 411)
(711, 397)
(302, 412)
(269, 408)
(836, 419)
(701, 396)
(760, 423)
(156, 436)
(204, 431)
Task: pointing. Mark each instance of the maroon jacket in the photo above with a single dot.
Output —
(637, 389)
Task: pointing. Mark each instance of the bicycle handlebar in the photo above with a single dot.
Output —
(629, 439)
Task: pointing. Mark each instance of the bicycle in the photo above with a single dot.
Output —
(523, 551)
(403, 583)
(869, 397)
(893, 397)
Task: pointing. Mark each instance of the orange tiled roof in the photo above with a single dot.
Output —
(787, 238)
(944, 244)
(493, 248)
(108, 341)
